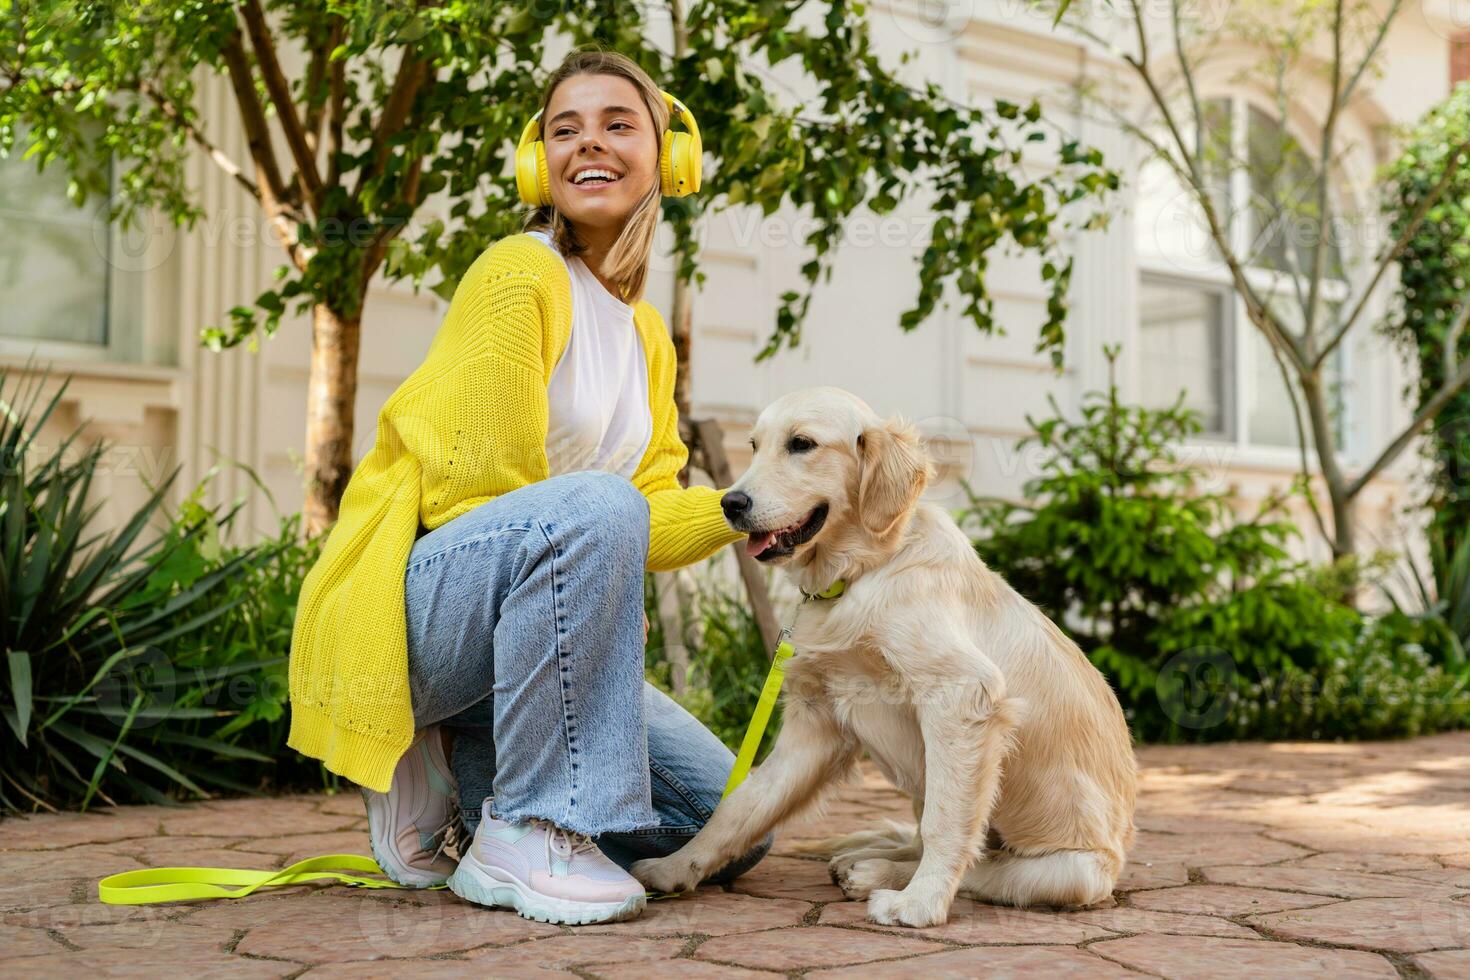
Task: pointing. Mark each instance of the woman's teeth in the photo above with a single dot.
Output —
(600, 176)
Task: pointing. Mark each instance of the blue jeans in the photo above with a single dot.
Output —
(525, 639)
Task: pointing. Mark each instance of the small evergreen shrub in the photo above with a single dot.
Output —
(1202, 622)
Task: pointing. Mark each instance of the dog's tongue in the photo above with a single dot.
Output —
(758, 543)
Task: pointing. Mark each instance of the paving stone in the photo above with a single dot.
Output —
(800, 949)
(162, 844)
(144, 964)
(345, 804)
(153, 855)
(16, 941)
(975, 922)
(79, 862)
(711, 912)
(1455, 879)
(167, 939)
(50, 831)
(575, 951)
(1204, 958)
(1400, 924)
(787, 877)
(1385, 817)
(1446, 963)
(1187, 824)
(1222, 900)
(1350, 837)
(1172, 923)
(1158, 874)
(92, 913)
(435, 969)
(248, 807)
(989, 961)
(1373, 863)
(1340, 884)
(21, 894)
(291, 817)
(303, 846)
(1195, 850)
(676, 970)
(336, 929)
(336, 842)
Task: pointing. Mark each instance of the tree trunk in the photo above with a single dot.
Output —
(331, 394)
(1343, 542)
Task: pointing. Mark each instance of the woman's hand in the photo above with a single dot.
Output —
(645, 629)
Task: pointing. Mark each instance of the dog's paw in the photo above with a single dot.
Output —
(861, 879)
(894, 908)
(840, 865)
(670, 874)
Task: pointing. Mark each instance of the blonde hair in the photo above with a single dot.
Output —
(627, 261)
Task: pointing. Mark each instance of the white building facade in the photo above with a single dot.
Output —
(120, 311)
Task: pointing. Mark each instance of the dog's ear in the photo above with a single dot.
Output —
(895, 471)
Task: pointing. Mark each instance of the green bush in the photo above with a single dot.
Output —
(116, 651)
(236, 665)
(1383, 683)
(1433, 271)
(1204, 625)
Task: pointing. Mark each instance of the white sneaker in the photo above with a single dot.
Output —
(413, 823)
(544, 873)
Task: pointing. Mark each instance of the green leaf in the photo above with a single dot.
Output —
(20, 691)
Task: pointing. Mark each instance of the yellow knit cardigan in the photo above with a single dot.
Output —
(468, 425)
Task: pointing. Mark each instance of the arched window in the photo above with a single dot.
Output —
(1194, 333)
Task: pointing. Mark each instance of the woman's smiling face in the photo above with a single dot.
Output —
(601, 150)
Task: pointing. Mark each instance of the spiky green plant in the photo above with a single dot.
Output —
(1442, 594)
(86, 624)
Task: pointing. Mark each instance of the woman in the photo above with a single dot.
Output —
(486, 571)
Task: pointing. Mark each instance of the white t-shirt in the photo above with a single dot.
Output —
(597, 400)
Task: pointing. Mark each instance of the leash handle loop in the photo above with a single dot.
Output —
(152, 885)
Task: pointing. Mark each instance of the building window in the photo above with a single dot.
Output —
(1183, 345)
(53, 274)
(1194, 332)
(66, 292)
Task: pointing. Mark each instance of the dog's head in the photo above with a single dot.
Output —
(824, 466)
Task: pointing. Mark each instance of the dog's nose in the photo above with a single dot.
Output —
(735, 503)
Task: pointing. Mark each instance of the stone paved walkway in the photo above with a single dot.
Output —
(1251, 860)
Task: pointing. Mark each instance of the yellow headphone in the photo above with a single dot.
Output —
(680, 159)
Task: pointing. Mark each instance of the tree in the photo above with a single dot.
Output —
(1299, 217)
(400, 100)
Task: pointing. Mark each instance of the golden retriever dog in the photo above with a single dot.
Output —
(1010, 743)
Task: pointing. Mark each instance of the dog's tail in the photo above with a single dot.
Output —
(894, 835)
(1062, 879)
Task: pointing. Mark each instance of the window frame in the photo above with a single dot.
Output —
(122, 306)
(1267, 283)
(1220, 288)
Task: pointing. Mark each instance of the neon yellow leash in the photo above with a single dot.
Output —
(761, 717)
(150, 886)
